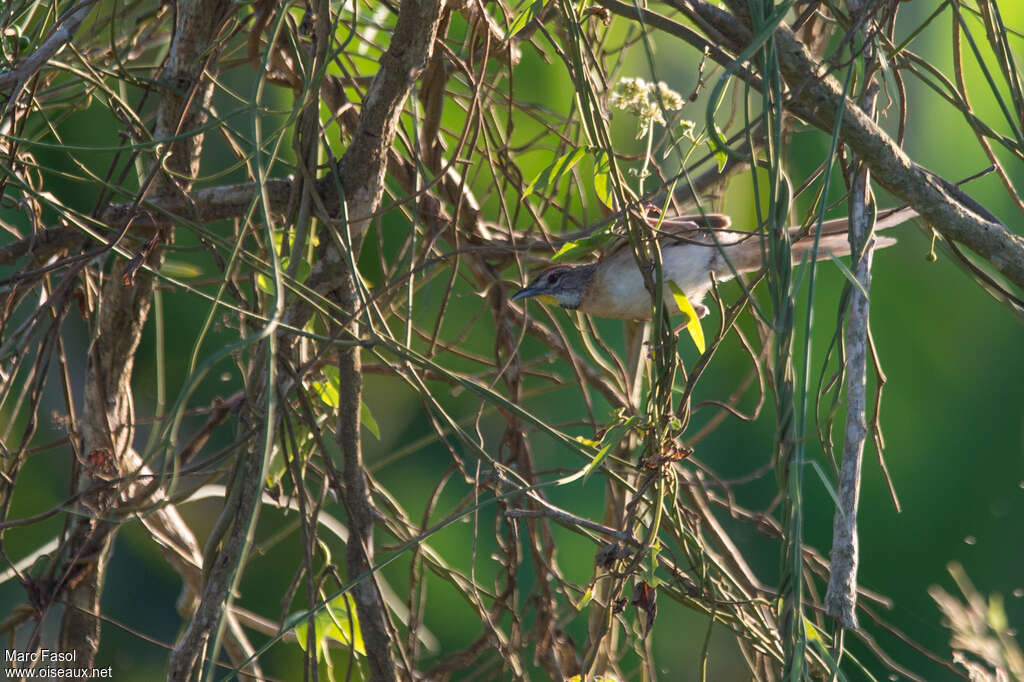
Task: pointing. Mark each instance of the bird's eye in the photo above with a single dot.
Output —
(553, 277)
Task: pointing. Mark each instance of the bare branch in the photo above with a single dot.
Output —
(60, 35)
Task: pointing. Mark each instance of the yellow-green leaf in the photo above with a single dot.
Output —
(692, 320)
(576, 249)
(652, 579)
(598, 458)
(602, 177)
(812, 632)
(525, 16)
(275, 468)
(565, 252)
(180, 269)
(266, 282)
(850, 277)
(368, 421)
(715, 141)
(550, 176)
(338, 621)
(611, 438)
(328, 390)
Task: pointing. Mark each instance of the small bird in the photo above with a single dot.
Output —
(692, 250)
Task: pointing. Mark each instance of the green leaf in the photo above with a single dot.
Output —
(850, 277)
(612, 437)
(368, 421)
(692, 320)
(568, 251)
(338, 621)
(550, 176)
(652, 579)
(817, 641)
(525, 16)
(275, 468)
(328, 390)
(576, 249)
(594, 463)
(715, 145)
(180, 269)
(585, 599)
(827, 484)
(812, 632)
(266, 282)
(602, 177)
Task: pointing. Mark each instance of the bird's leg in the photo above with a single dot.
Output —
(700, 309)
(637, 334)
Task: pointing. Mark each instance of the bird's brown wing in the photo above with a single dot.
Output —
(687, 228)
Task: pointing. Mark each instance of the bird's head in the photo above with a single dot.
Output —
(562, 284)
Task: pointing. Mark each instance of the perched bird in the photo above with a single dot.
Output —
(692, 249)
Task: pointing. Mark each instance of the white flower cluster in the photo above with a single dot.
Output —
(645, 100)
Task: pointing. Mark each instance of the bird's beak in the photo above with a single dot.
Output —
(530, 292)
(525, 292)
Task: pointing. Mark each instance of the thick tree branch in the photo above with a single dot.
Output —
(189, 652)
(361, 174)
(108, 415)
(841, 598)
(107, 428)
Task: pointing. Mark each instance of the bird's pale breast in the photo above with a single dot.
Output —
(618, 291)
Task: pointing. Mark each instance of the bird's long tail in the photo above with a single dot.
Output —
(746, 256)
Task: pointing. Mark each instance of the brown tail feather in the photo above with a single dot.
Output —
(890, 217)
(835, 244)
(746, 256)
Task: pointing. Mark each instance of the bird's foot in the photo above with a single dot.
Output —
(700, 309)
